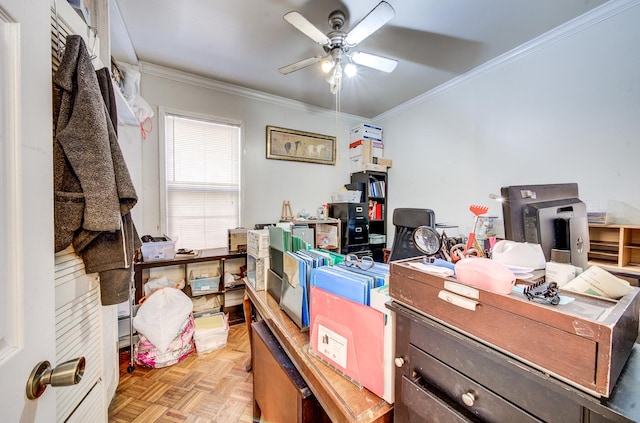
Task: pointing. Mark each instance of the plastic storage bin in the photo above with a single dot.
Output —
(211, 333)
(203, 286)
(346, 197)
(161, 250)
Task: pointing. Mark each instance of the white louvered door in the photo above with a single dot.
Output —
(79, 334)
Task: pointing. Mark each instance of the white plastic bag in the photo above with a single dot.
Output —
(162, 282)
(162, 315)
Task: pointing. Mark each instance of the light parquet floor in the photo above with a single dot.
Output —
(212, 387)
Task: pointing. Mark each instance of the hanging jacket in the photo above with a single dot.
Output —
(93, 191)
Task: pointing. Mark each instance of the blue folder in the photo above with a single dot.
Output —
(294, 296)
(379, 271)
(352, 286)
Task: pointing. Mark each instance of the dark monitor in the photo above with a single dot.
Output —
(550, 215)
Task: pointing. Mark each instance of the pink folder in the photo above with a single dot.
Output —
(349, 337)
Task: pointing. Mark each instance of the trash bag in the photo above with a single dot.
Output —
(146, 354)
(162, 315)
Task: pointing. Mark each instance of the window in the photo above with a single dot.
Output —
(202, 180)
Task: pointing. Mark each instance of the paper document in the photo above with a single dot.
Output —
(597, 281)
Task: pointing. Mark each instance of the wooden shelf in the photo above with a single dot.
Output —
(615, 248)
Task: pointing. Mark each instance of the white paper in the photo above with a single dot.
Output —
(597, 281)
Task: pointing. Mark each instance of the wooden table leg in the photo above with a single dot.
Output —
(246, 306)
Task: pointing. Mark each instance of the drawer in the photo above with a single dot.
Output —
(345, 211)
(425, 405)
(477, 400)
(498, 373)
(357, 234)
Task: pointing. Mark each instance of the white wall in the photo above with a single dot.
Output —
(265, 183)
(564, 109)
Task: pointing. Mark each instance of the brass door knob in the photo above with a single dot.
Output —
(65, 374)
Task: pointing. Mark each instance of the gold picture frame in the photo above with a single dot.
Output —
(300, 146)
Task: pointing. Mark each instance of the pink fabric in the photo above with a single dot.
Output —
(146, 354)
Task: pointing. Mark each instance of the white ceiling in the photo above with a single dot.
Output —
(244, 42)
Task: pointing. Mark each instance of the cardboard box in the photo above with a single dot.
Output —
(382, 161)
(366, 131)
(257, 271)
(238, 240)
(258, 243)
(368, 149)
(585, 342)
(358, 165)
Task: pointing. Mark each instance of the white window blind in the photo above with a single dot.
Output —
(202, 180)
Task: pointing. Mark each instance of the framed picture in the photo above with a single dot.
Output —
(300, 146)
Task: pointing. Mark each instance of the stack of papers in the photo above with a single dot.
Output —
(597, 281)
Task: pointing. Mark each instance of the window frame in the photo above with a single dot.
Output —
(163, 111)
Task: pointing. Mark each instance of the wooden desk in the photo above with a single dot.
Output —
(342, 400)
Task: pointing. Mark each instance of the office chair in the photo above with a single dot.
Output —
(406, 220)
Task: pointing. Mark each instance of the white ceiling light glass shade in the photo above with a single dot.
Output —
(372, 61)
(350, 70)
(327, 65)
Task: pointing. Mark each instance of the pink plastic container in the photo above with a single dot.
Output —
(485, 274)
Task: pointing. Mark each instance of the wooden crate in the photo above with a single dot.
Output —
(585, 343)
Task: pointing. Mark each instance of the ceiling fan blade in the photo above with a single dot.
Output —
(380, 15)
(373, 61)
(299, 65)
(306, 27)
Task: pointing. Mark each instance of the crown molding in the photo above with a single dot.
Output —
(593, 17)
(208, 83)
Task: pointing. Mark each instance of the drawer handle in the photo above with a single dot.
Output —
(399, 362)
(469, 398)
(458, 300)
(359, 209)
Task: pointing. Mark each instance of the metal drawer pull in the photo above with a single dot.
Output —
(469, 398)
(457, 300)
(399, 362)
(359, 209)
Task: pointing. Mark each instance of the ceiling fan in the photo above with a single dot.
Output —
(337, 44)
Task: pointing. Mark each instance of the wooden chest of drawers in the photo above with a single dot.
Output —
(585, 343)
(444, 375)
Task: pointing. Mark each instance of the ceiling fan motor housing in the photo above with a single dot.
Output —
(336, 19)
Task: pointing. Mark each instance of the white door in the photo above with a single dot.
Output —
(26, 208)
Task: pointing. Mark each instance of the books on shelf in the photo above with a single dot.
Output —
(376, 210)
(376, 188)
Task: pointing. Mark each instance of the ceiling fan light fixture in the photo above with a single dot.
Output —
(327, 65)
(350, 70)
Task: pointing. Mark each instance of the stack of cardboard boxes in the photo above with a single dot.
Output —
(366, 149)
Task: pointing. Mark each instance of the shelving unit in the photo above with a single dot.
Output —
(615, 248)
(221, 255)
(374, 187)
